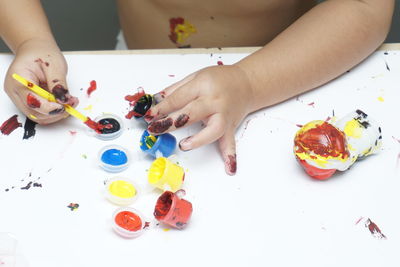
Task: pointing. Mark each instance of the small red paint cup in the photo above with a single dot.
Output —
(172, 210)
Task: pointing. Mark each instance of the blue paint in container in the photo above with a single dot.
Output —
(163, 146)
(114, 158)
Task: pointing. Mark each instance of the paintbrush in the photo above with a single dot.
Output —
(68, 108)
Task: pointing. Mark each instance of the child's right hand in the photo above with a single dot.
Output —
(40, 61)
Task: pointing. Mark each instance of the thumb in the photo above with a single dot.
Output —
(227, 146)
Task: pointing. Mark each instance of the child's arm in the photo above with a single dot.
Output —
(24, 28)
(324, 43)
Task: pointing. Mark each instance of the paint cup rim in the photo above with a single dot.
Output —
(122, 231)
(113, 168)
(110, 136)
(120, 201)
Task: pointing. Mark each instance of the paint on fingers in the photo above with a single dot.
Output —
(32, 101)
(181, 120)
(60, 93)
(160, 126)
(231, 164)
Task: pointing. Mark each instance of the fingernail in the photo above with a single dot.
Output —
(160, 126)
(185, 144)
(181, 120)
(56, 111)
(159, 97)
(60, 93)
(231, 164)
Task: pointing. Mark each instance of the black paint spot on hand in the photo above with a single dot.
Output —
(29, 128)
(115, 126)
(60, 93)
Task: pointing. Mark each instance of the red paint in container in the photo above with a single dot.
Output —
(128, 222)
(172, 210)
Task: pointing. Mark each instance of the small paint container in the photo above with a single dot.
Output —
(121, 191)
(114, 158)
(128, 222)
(172, 210)
(158, 146)
(166, 175)
(113, 133)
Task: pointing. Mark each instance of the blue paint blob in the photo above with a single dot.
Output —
(114, 157)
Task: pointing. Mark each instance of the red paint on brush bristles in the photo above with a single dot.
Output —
(97, 126)
(10, 125)
(93, 87)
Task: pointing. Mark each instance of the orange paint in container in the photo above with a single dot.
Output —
(128, 222)
(172, 210)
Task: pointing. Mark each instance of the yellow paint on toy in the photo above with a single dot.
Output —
(165, 175)
(183, 31)
(122, 189)
(353, 129)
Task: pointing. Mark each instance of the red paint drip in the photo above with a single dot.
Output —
(93, 87)
(219, 62)
(129, 221)
(32, 101)
(10, 125)
(374, 229)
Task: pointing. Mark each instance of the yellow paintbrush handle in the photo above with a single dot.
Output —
(49, 96)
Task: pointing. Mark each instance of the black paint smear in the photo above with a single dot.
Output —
(29, 128)
(109, 121)
(27, 186)
(387, 66)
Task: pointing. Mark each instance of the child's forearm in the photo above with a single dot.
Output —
(324, 43)
(22, 20)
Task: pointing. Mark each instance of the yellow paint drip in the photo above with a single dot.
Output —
(353, 129)
(89, 108)
(122, 189)
(381, 99)
(183, 31)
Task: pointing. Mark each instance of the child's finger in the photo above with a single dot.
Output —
(213, 131)
(227, 146)
(179, 98)
(192, 112)
(39, 104)
(170, 89)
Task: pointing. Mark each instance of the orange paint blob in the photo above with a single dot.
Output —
(129, 221)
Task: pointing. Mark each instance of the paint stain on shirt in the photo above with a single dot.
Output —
(180, 30)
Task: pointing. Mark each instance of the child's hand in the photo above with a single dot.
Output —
(219, 96)
(41, 62)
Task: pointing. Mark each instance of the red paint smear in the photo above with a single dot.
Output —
(30, 85)
(171, 75)
(219, 62)
(93, 87)
(317, 173)
(173, 22)
(32, 101)
(374, 229)
(232, 164)
(132, 101)
(172, 210)
(129, 221)
(10, 125)
(359, 220)
(311, 104)
(72, 132)
(299, 125)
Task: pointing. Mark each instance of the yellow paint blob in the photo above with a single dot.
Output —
(381, 99)
(122, 189)
(183, 31)
(32, 116)
(353, 129)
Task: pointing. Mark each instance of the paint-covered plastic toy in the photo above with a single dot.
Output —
(322, 147)
(172, 210)
(158, 146)
(114, 158)
(166, 175)
(128, 222)
(121, 191)
(139, 104)
(114, 132)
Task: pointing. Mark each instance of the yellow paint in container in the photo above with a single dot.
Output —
(166, 175)
(121, 191)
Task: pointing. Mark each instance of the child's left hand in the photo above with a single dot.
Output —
(220, 96)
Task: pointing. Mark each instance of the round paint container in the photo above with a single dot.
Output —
(128, 222)
(172, 210)
(158, 146)
(114, 132)
(166, 175)
(114, 158)
(121, 191)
